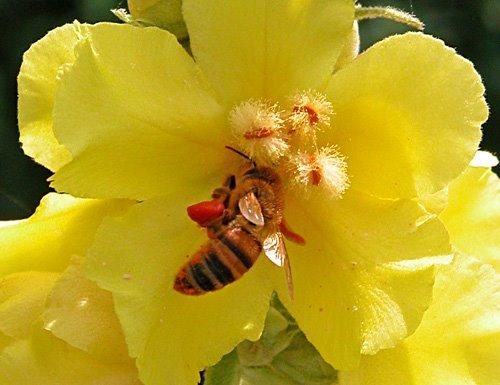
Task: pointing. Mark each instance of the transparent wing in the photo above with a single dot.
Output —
(275, 250)
(250, 208)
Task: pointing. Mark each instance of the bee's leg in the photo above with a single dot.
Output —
(290, 234)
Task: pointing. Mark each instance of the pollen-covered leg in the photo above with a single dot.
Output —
(206, 212)
(290, 234)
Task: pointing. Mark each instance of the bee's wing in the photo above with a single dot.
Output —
(275, 250)
(250, 208)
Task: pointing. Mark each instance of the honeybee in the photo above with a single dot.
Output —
(244, 218)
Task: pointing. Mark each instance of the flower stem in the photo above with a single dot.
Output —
(362, 13)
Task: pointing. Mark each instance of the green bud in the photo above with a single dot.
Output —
(166, 14)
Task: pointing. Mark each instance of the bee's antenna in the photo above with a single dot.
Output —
(241, 154)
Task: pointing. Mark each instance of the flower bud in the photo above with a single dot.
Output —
(166, 14)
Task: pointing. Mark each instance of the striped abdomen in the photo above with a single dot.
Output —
(219, 262)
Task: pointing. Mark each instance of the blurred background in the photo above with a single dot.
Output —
(470, 26)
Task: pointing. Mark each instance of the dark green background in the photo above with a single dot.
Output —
(471, 26)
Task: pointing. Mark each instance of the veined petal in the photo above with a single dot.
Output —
(408, 113)
(341, 301)
(263, 48)
(61, 227)
(82, 314)
(46, 360)
(457, 340)
(137, 116)
(22, 297)
(193, 332)
(37, 83)
(472, 216)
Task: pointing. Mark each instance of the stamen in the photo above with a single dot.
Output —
(310, 112)
(325, 168)
(258, 130)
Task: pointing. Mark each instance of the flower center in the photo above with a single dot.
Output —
(286, 139)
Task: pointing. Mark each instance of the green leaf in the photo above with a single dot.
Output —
(282, 356)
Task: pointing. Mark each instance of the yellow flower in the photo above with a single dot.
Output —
(124, 112)
(56, 326)
(457, 340)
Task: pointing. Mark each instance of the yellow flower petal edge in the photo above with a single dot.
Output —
(80, 313)
(62, 226)
(346, 301)
(150, 116)
(46, 360)
(267, 48)
(37, 84)
(408, 113)
(472, 216)
(174, 336)
(457, 340)
(22, 297)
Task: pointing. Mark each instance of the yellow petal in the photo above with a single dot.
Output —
(136, 257)
(22, 298)
(37, 83)
(465, 304)
(457, 340)
(382, 324)
(137, 116)
(267, 48)
(485, 355)
(350, 49)
(473, 214)
(61, 227)
(410, 366)
(435, 203)
(409, 283)
(408, 113)
(46, 360)
(83, 315)
(341, 302)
